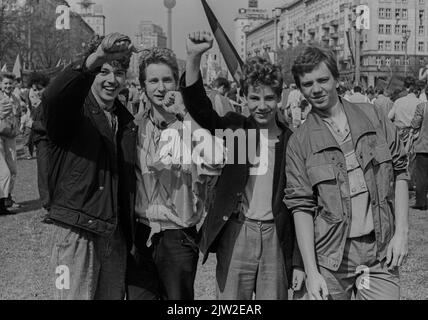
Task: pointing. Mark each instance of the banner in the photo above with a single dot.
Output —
(231, 57)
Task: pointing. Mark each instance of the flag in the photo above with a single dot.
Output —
(231, 57)
(17, 67)
(4, 69)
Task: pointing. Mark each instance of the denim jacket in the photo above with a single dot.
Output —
(317, 179)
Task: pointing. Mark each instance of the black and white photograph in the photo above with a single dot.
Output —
(212, 156)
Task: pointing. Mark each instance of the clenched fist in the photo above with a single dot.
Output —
(198, 43)
(114, 46)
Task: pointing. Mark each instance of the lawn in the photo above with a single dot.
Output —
(25, 250)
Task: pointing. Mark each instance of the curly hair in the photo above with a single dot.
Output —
(157, 55)
(7, 75)
(259, 71)
(310, 59)
(93, 45)
(38, 78)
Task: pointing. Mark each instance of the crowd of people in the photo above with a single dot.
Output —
(313, 200)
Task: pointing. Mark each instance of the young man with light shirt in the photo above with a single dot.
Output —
(248, 225)
(170, 191)
(345, 168)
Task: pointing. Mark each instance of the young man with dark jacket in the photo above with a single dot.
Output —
(248, 225)
(91, 173)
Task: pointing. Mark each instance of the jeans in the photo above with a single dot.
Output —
(250, 261)
(86, 266)
(167, 269)
(362, 274)
(421, 177)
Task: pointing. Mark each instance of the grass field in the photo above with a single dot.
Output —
(25, 250)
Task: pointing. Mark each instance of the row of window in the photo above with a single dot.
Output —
(400, 13)
(398, 46)
(398, 29)
(396, 60)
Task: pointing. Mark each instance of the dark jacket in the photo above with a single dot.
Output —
(91, 178)
(318, 183)
(230, 186)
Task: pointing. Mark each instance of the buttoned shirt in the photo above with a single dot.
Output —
(170, 191)
(361, 210)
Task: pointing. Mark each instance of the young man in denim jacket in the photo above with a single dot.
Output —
(347, 188)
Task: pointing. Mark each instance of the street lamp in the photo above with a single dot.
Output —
(276, 13)
(406, 36)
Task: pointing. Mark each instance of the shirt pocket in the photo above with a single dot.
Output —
(325, 183)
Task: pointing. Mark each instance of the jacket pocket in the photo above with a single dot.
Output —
(325, 183)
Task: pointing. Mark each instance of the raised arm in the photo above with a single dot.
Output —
(194, 96)
(64, 98)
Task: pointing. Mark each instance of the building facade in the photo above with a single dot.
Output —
(92, 13)
(247, 18)
(396, 42)
(148, 35)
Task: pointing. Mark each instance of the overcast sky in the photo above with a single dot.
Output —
(188, 16)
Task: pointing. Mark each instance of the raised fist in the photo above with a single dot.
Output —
(115, 46)
(198, 43)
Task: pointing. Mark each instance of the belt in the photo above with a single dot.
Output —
(241, 217)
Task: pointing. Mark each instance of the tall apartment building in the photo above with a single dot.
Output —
(148, 35)
(398, 30)
(247, 18)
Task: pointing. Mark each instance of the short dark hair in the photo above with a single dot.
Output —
(380, 91)
(93, 45)
(7, 75)
(221, 82)
(358, 89)
(38, 78)
(310, 59)
(409, 82)
(158, 55)
(259, 71)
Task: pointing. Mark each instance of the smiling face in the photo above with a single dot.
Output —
(159, 81)
(319, 88)
(263, 105)
(7, 85)
(108, 83)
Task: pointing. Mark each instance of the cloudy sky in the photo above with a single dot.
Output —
(188, 16)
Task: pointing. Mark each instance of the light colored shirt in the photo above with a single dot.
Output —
(358, 98)
(361, 210)
(384, 104)
(257, 202)
(170, 191)
(403, 110)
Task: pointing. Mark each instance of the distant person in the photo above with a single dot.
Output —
(383, 102)
(38, 83)
(358, 96)
(221, 87)
(134, 98)
(420, 147)
(26, 131)
(10, 118)
(403, 112)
